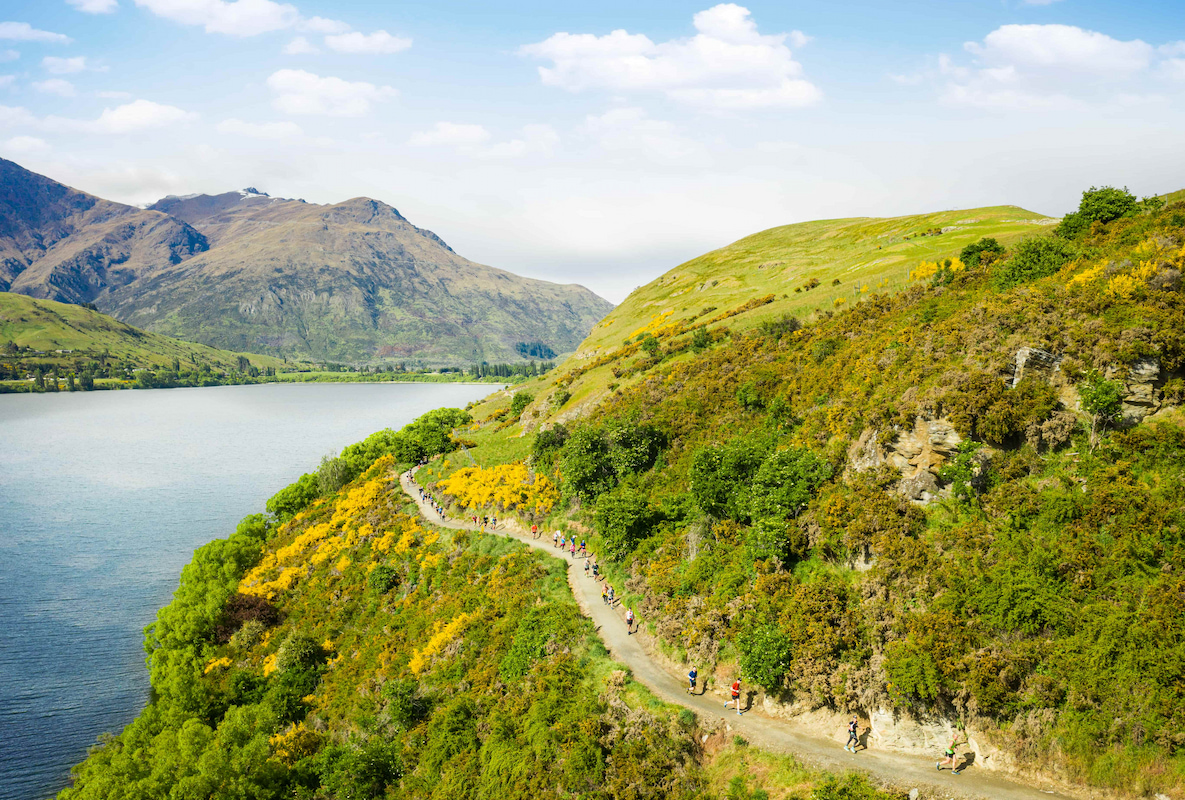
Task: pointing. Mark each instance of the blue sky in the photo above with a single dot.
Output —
(599, 143)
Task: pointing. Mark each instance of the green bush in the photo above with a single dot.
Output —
(295, 497)
(984, 408)
(519, 403)
(586, 464)
(985, 250)
(747, 396)
(822, 349)
(1033, 258)
(765, 656)
(622, 518)
(383, 579)
(719, 476)
(700, 339)
(785, 483)
(547, 445)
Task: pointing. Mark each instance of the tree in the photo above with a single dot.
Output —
(700, 339)
(586, 466)
(519, 403)
(1098, 205)
(1103, 400)
(651, 346)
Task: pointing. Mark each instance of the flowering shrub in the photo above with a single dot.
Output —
(507, 487)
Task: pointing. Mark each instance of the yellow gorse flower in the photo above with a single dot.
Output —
(506, 487)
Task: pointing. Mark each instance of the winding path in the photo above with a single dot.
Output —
(899, 769)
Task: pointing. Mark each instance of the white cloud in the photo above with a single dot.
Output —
(1053, 66)
(630, 131)
(728, 64)
(450, 134)
(300, 46)
(138, 115)
(15, 116)
(114, 95)
(24, 32)
(62, 88)
(300, 92)
(9, 55)
(474, 140)
(95, 6)
(232, 17)
(322, 25)
(23, 145)
(63, 66)
(259, 130)
(6, 81)
(375, 43)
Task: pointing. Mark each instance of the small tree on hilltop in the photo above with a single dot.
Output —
(1098, 205)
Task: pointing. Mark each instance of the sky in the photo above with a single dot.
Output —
(600, 143)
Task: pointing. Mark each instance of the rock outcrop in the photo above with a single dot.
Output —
(918, 454)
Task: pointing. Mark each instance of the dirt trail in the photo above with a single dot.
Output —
(779, 735)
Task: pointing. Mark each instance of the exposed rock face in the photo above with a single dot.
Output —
(918, 454)
(1029, 362)
(1142, 383)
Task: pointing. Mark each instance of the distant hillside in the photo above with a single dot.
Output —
(62, 244)
(353, 282)
(65, 333)
(866, 255)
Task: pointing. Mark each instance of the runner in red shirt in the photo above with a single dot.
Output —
(736, 696)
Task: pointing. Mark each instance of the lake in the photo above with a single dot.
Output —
(103, 498)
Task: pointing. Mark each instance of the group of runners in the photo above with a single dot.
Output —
(427, 497)
(567, 544)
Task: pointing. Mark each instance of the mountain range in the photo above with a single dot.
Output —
(352, 281)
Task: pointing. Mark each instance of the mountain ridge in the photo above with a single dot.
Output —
(353, 281)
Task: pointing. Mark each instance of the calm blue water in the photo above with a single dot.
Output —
(103, 498)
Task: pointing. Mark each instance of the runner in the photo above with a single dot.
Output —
(555, 537)
(950, 757)
(736, 696)
(853, 738)
(586, 567)
(596, 571)
(573, 548)
(494, 520)
(629, 622)
(691, 676)
(604, 594)
(582, 550)
(610, 595)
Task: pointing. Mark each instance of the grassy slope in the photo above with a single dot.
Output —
(877, 252)
(50, 326)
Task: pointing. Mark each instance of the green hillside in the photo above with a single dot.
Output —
(955, 501)
(866, 255)
(72, 338)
